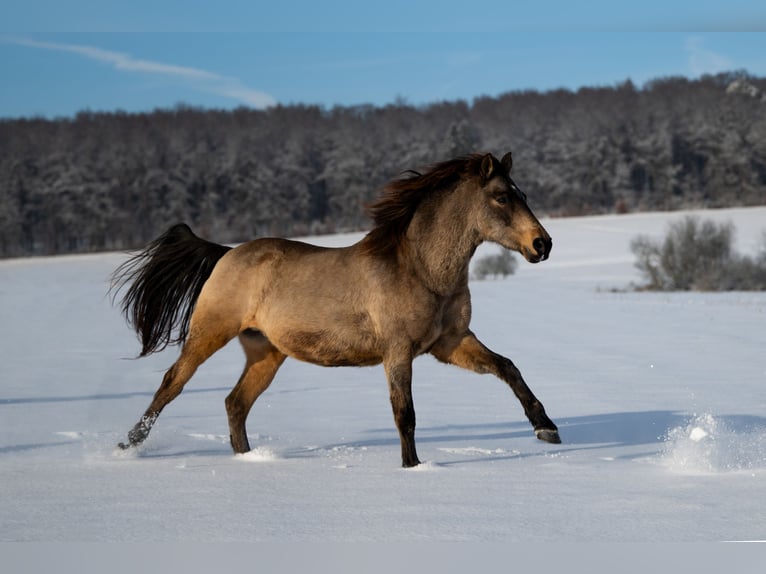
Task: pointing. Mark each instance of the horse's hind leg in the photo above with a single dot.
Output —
(263, 361)
(471, 354)
(196, 350)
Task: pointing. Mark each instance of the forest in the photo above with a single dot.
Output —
(113, 181)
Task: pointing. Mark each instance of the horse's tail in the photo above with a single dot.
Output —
(166, 279)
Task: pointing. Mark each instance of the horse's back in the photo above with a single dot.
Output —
(277, 246)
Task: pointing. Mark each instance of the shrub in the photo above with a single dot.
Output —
(698, 255)
(502, 264)
(761, 257)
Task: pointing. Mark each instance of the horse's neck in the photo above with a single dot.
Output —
(440, 245)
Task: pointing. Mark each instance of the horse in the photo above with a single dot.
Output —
(400, 292)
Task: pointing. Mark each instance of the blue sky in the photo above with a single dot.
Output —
(57, 58)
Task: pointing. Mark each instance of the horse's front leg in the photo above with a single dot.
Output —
(468, 352)
(399, 373)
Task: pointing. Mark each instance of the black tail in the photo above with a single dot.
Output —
(166, 279)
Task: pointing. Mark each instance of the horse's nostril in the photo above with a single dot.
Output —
(539, 245)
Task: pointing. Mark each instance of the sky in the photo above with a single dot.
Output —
(59, 58)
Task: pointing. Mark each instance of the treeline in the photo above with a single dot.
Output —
(103, 181)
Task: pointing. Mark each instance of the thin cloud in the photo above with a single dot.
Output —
(703, 60)
(202, 80)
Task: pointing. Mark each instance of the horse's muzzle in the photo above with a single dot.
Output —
(541, 249)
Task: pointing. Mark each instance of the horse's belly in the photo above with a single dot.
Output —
(329, 350)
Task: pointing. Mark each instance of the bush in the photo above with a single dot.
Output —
(502, 264)
(698, 255)
(762, 251)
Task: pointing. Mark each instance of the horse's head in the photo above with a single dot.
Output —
(503, 215)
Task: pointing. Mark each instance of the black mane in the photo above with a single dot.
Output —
(394, 209)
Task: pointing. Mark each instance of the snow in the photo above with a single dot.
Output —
(659, 397)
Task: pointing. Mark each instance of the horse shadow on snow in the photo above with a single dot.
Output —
(589, 432)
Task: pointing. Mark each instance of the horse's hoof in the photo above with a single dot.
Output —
(123, 446)
(547, 435)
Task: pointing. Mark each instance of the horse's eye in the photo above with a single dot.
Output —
(501, 199)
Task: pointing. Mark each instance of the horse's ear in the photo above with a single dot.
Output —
(487, 166)
(507, 162)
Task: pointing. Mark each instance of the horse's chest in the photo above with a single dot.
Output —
(424, 344)
(427, 329)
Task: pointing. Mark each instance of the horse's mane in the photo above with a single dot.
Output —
(394, 209)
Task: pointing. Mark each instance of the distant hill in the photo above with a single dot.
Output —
(115, 180)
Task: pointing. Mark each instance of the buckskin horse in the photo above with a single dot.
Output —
(400, 292)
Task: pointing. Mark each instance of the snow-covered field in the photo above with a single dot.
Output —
(660, 400)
